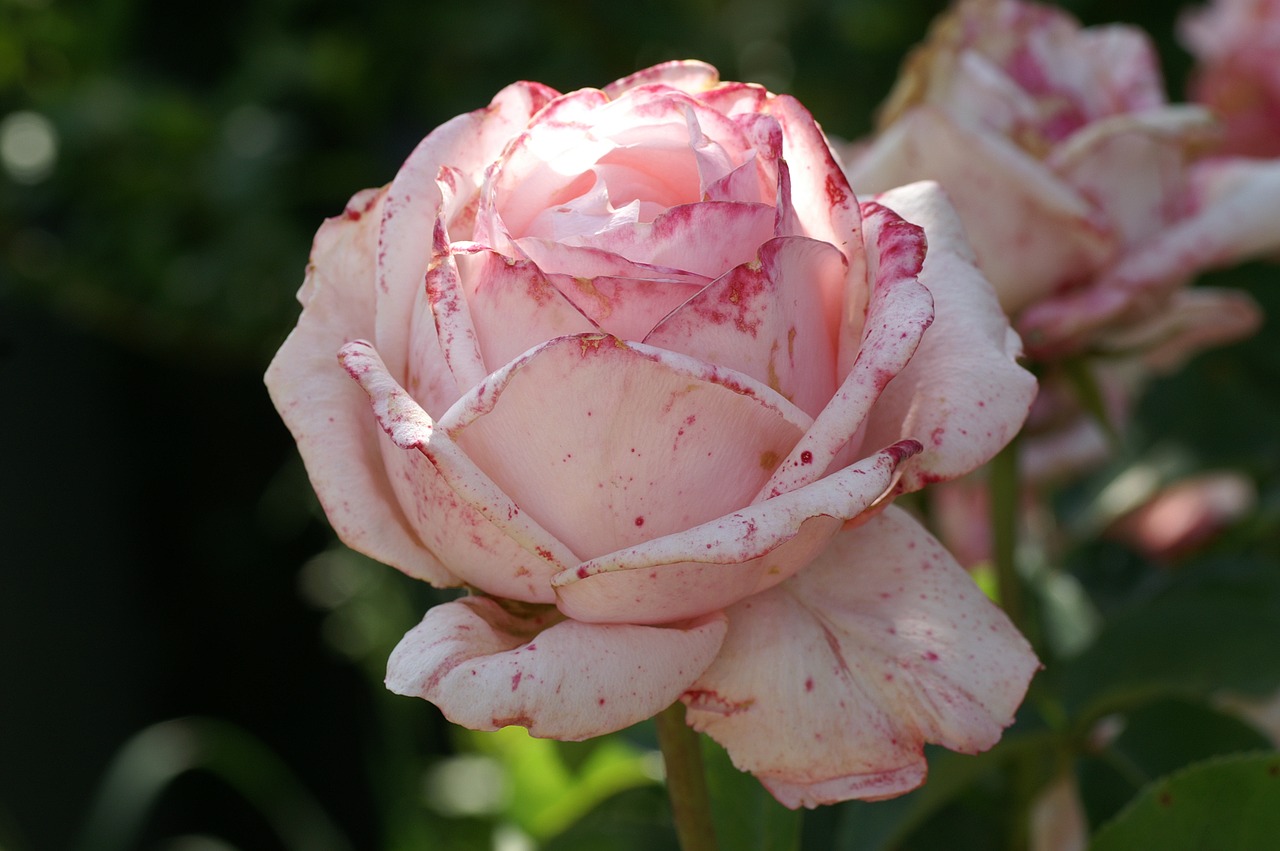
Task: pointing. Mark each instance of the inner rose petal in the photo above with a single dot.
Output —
(653, 148)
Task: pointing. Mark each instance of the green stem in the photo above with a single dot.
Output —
(1004, 531)
(686, 781)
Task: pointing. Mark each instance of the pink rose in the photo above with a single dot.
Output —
(1074, 178)
(1174, 520)
(634, 366)
(1237, 47)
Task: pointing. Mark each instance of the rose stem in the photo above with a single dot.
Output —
(686, 782)
(1005, 493)
(1003, 481)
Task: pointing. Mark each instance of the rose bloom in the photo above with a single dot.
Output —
(1237, 48)
(635, 367)
(1076, 181)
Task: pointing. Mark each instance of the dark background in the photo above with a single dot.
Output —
(154, 516)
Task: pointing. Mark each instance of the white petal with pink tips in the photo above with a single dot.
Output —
(963, 395)
(487, 668)
(881, 645)
(467, 520)
(608, 444)
(327, 414)
(718, 563)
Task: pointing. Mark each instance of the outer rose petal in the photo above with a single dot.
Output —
(328, 415)
(1134, 166)
(609, 443)
(1195, 319)
(474, 528)
(1031, 231)
(828, 686)
(963, 395)
(1238, 217)
(718, 563)
(899, 312)
(486, 668)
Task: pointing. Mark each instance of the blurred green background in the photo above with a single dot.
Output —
(164, 167)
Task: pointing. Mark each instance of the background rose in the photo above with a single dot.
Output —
(1237, 48)
(636, 356)
(1075, 179)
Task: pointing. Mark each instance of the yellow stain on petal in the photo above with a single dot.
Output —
(591, 343)
(587, 287)
(769, 460)
(774, 381)
(791, 345)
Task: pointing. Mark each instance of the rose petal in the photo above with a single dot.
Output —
(980, 92)
(467, 144)
(1132, 166)
(474, 528)
(608, 444)
(761, 319)
(1238, 205)
(900, 311)
(828, 686)
(627, 308)
(677, 238)
(738, 100)
(1032, 233)
(486, 668)
(451, 316)
(750, 182)
(499, 288)
(963, 394)
(1194, 320)
(327, 414)
(687, 75)
(622, 298)
(714, 565)
(557, 258)
(1125, 69)
(820, 194)
(647, 148)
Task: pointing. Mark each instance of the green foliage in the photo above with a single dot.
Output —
(746, 816)
(1203, 634)
(1230, 802)
(546, 795)
(199, 147)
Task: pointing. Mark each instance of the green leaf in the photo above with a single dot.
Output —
(1212, 631)
(1229, 802)
(1153, 741)
(154, 758)
(746, 816)
(634, 820)
(547, 796)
